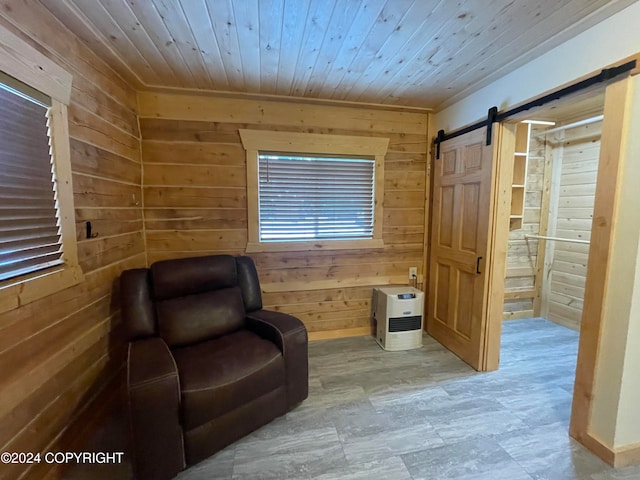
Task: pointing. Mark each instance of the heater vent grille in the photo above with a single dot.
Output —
(405, 324)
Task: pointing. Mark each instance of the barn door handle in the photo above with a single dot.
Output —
(478, 265)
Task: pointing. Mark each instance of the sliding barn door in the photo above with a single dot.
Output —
(460, 231)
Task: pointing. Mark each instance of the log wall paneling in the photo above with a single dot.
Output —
(62, 355)
(577, 152)
(195, 199)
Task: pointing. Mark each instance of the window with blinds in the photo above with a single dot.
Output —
(30, 236)
(302, 197)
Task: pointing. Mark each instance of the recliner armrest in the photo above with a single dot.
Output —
(278, 327)
(154, 404)
(150, 360)
(290, 334)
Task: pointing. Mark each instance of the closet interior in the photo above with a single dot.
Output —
(553, 191)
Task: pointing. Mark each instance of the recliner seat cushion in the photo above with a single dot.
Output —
(218, 375)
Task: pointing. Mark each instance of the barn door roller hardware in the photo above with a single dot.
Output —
(494, 116)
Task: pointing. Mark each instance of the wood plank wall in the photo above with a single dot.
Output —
(195, 200)
(522, 253)
(61, 357)
(577, 152)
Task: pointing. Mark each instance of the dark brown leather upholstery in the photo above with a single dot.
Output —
(246, 367)
(195, 318)
(207, 365)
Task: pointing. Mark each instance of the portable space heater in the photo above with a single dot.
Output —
(397, 313)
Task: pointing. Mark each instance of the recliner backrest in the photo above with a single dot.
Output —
(249, 284)
(189, 300)
(196, 299)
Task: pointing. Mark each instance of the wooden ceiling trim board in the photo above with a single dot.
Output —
(176, 23)
(113, 38)
(216, 109)
(246, 13)
(131, 26)
(271, 15)
(199, 20)
(318, 18)
(285, 99)
(295, 18)
(341, 20)
(385, 24)
(360, 27)
(221, 17)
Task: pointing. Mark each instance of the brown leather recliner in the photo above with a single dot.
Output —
(206, 364)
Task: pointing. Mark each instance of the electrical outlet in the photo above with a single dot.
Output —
(413, 273)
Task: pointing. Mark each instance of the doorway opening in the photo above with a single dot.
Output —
(613, 160)
(554, 182)
(555, 175)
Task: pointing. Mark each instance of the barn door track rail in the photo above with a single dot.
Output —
(494, 116)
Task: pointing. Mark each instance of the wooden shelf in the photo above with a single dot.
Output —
(520, 160)
(517, 201)
(519, 170)
(515, 223)
(522, 138)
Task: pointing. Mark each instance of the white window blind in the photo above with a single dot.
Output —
(30, 238)
(315, 197)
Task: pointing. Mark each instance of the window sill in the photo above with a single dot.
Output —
(311, 245)
(20, 291)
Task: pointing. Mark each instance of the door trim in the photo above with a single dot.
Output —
(504, 138)
(614, 131)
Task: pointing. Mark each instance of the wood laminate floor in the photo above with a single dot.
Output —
(418, 414)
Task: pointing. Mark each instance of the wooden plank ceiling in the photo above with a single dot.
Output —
(418, 53)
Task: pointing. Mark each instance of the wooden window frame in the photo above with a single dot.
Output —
(23, 62)
(255, 141)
